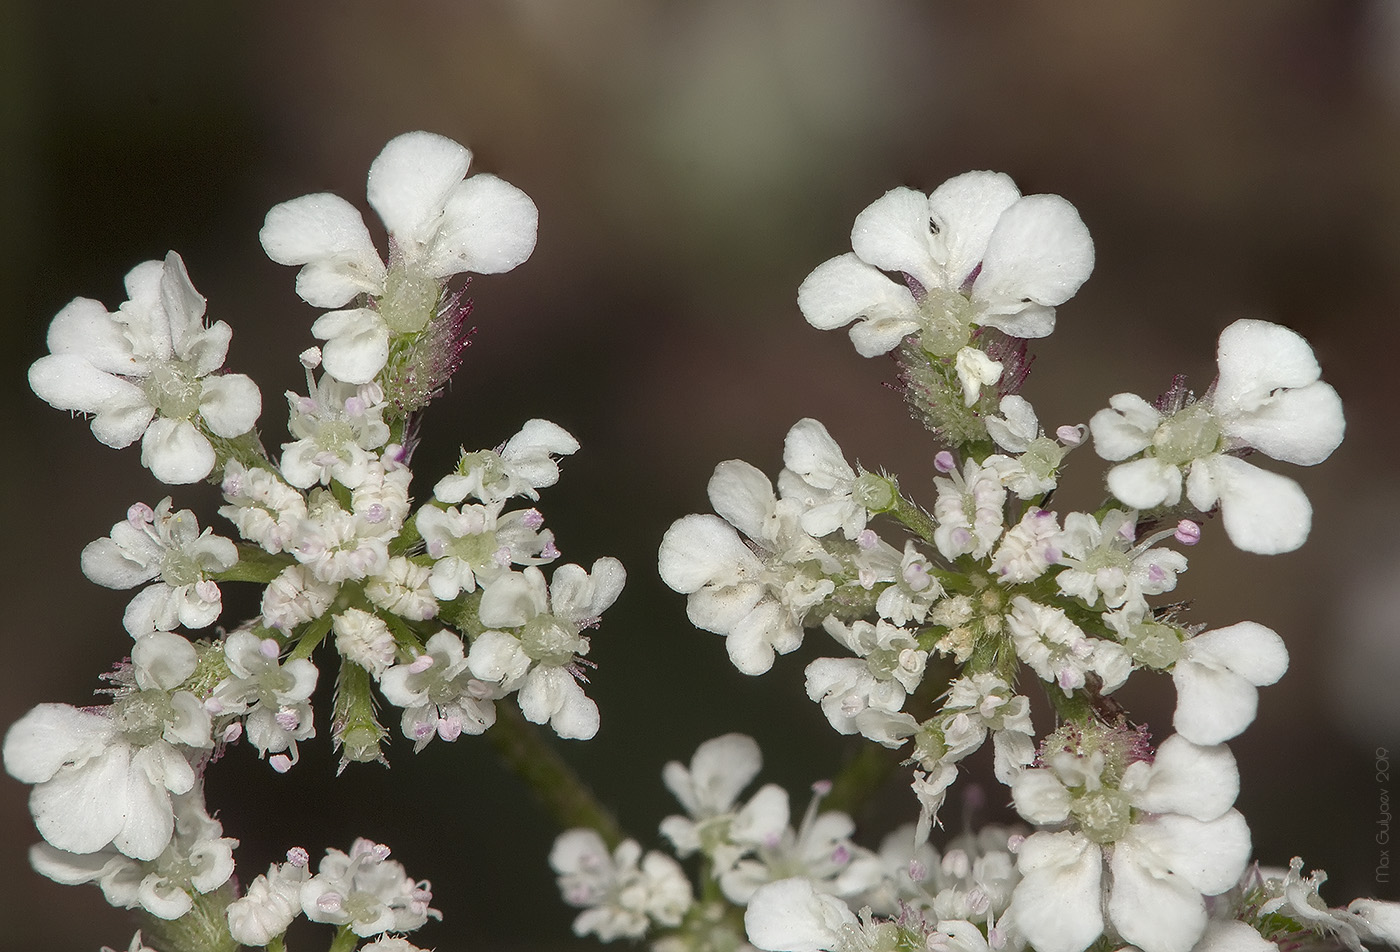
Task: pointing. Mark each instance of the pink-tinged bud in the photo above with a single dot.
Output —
(550, 551)
(421, 663)
(213, 706)
(502, 556)
(918, 872)
(1188, 532)
(944, 462)
(280, 763)
(287, 719)
(1128, 531)
(395, 456)
(821, 788)
(423, 729)
(532, 518)
(269, 648)
(1070, 435)
(207, 590)
(449, 728)
(310, 358)
(1014, 842)
(354, 406)
(841, 856)
(140, 513)
(330, 902)
(298, 857)
(233, 732)
(867, 539)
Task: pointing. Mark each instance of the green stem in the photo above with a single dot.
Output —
(560, 790)
(914, 518)
(861, 777)
(344, 941)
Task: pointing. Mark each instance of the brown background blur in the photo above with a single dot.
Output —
(692, 162)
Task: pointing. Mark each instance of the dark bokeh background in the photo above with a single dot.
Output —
(692, 162)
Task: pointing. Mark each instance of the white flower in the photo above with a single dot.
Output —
(982, 703)
(1060, 652)
(914, 591)
(969, 510)
(364, 639)
(403, 588)
(1104, 563)
(295, 597)
(1268, 397)
(337, 546)
(524, 465)
(273, 698)
(198, 860)
(272, 902)
(439, 225)
(975, 370)
(108, 778)
(541, 657)
(1173, 836)
(475, 545)
(438, 693)
(1218, 677)
(1029, 548)
(147, 372)
(978, 252)
(158, 543)
(263, 508)
(366, 891)
(708, 789)
(622, 893)
(333, 429)
(1035, 468)
(818, 476)
(820, 849)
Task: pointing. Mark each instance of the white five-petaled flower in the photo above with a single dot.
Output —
(978, 254)
(1267, 397)
(366, 891)
(817, 475)
(272, 697)
(148, 371)
(440, 222)
(708, 789)
(438, 693)
(622, 893)
(159, 543)
(522, 466)
(1166, 833)
(540, 655)
(108, 777)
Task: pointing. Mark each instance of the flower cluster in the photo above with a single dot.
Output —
(440, 609)
(944, 612)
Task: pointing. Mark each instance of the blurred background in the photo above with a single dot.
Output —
(692, 162)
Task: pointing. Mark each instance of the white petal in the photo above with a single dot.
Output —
(357, 344)
(753, 641)
(149, 822)
(809, 451)
(845, 288)
(967, 208)
(722, 768)
(1232, 936)
(71, 382)
(1210, 855)
(81, 809)
(540, 436)
(1257, 357)
(1263, 512)
(1300, 426)
(892, 233)
(230, 404)
(176, 452)
(720, 608)
(700, 549)
(50, 736)
(327, 235)
(1057, 904)
(1195, 781)
(489, 227)
(791, 916)
(1212, 705)
(742, 494)
(107, 563)
(1125, 429)
(1152, 908)
(1247, 648)
(1040, 797)
(1039, 252)
(409, 182)
(85, 328)
(1146, 483)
